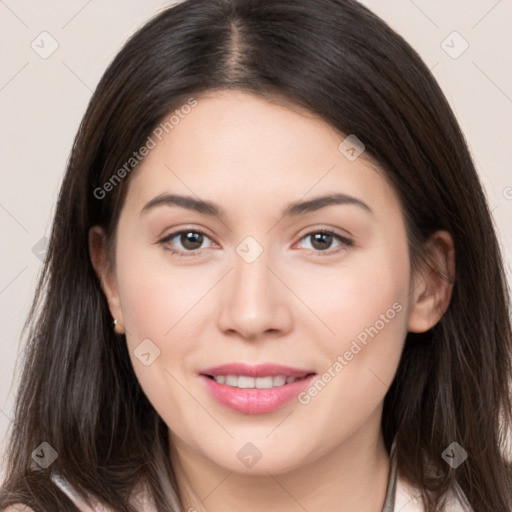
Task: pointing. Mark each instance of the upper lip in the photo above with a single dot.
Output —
(259, 370)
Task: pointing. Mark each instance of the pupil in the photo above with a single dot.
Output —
(321, 237)
(190, 238)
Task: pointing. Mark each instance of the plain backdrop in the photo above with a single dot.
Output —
(53, 54)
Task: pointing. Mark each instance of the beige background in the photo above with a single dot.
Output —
(43, 99)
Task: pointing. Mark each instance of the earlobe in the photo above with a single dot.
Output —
(102, 268)
(433, 286)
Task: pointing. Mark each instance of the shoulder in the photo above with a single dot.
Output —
(408, 499)
(140, 499)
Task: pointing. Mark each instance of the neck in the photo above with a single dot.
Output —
(353, 476)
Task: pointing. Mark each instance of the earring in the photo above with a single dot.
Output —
(117, 329)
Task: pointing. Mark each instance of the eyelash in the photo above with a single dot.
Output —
(188, 254)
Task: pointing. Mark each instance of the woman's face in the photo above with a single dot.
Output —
(262, 285)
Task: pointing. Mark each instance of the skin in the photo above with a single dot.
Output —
(297, 304)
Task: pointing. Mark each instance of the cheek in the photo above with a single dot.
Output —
(364, 304)
(159, 304)
(156, 296)
(371, 288)
(366, 307)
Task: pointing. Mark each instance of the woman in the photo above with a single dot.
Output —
(272, 283)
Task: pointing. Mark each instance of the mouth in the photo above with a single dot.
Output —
(247, 382)
(255, 389)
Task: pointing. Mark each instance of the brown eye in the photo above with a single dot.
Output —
(191, 240)
(187, 242)
(322, 241)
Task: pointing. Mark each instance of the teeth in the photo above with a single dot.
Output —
(231, 380)
(245, 382)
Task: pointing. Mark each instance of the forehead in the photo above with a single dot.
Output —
(240, 148)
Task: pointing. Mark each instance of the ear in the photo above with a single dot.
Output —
(106, 274)
(433, 283)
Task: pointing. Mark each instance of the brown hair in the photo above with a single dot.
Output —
(78, 390)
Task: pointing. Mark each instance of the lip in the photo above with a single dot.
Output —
(255, 400)
(259, 370)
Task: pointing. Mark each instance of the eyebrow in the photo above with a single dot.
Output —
(292, 210)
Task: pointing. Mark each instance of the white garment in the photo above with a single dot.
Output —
(405, 498)
(140, 500)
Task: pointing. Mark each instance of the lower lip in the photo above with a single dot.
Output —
(254, 400)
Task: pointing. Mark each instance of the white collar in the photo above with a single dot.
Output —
(400, 496)
(408, 499)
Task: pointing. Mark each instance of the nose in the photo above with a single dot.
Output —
(254, 301)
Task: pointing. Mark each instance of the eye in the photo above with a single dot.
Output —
(191, 241)
(322, 240)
